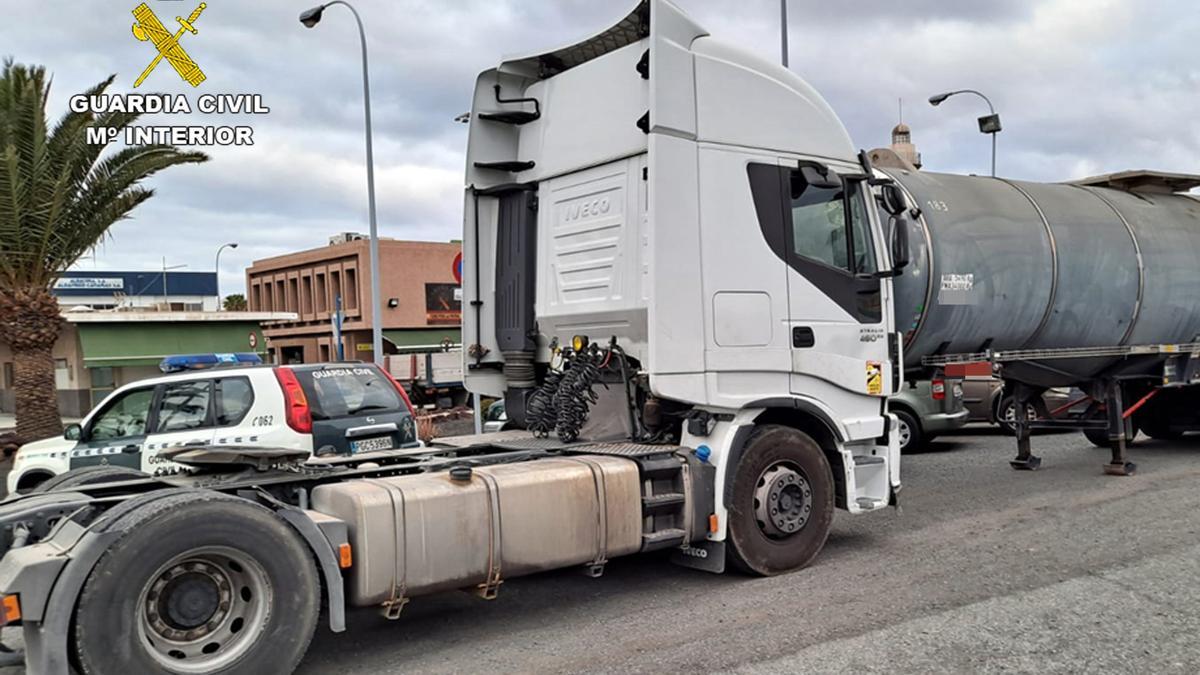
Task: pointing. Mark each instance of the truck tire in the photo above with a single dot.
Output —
(1158, 428)
(912, 436)
(197, 582)
(89, 475)
(786, 468)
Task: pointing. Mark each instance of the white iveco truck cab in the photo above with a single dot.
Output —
(688, 229)
(678, 279)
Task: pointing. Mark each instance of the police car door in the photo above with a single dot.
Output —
(116, 434)
(183, 417)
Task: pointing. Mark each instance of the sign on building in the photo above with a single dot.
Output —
(89, 284)
(443, 306)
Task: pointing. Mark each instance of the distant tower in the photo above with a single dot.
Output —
(902, 142)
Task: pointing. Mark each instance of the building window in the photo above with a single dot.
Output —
(102, 384)
(293, 301)
(306, 296)
(322, 301)
(62, 374)
(324, 351)
(351, 289)
(280, 297)
(256, 297)
(335, 288)
(9, 378)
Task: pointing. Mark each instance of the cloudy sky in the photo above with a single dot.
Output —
(1083, 87)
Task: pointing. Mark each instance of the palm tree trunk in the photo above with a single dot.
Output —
(36, 394)
(30, 323)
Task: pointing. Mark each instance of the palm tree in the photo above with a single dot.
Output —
(235, 302)
(58, 197)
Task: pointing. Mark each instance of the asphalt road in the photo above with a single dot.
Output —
(984, 569)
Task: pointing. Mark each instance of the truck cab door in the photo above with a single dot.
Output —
(184, 416)
(116, 434)
(838, 327)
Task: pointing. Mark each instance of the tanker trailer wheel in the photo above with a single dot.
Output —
(782, 502)
(198, 582)
(90, 475)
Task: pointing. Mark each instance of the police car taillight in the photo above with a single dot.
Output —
(295, 402)
(400, 389)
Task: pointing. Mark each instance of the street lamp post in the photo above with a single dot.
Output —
(783, 32)
(988, 124)
(165, 269)
(310, 18)
(217, 269)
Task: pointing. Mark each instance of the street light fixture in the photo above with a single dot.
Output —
(311, 18)
(988, 124)
(217, 269)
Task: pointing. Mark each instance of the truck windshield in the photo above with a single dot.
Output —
(822, 232)
(338, 392)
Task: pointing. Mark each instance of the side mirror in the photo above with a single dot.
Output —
(73, 432)
(900, 249)
(820, 176)
(893, 199)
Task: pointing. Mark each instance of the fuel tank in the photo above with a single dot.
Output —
(412, 535)
(1007, 264)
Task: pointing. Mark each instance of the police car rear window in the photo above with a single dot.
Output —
(341, 392)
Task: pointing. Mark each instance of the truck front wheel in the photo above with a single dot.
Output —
(198, 583)
(782, 502)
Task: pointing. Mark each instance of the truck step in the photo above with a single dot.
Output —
(654, 541)
(867, 460)
(513, 166)
(516, 117)
(662, 501)
(660, 467)
(870, 503)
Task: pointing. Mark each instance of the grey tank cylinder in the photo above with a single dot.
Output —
(1006, 264)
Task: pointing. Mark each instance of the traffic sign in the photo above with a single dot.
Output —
(458, 268)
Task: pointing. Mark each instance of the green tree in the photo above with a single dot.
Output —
(235, 302)
(58, 197)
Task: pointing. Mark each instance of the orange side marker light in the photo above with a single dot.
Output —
(345, 557)
(12, 609)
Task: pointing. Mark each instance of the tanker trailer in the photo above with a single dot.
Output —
(1092, 284)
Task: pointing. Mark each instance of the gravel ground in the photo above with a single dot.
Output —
(984, 569)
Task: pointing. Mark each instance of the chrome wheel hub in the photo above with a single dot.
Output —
(782, 500)
(204, 609)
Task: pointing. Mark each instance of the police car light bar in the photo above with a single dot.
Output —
(175, 364)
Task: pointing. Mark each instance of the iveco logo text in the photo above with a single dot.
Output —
(587, 208)
(694, 552)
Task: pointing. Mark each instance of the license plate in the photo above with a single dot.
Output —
(372, 444)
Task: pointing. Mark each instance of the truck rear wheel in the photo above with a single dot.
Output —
(782, 502)
(198, 582)
(90, 475)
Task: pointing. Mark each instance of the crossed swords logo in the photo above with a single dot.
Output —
(148, 27)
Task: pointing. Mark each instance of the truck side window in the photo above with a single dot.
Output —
(819, 226)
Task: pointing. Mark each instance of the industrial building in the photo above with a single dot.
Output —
(421, 307)
(169, 290)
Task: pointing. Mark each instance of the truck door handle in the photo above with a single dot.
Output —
(131, 448)
(802, 337)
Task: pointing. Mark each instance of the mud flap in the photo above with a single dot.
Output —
(707, 556)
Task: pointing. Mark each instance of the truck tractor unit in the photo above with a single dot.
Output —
(684, 281)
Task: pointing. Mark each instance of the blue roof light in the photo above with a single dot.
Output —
(175, 364)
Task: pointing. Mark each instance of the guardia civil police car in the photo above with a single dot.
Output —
(228, 400)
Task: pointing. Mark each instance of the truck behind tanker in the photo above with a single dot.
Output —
(684, 281)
